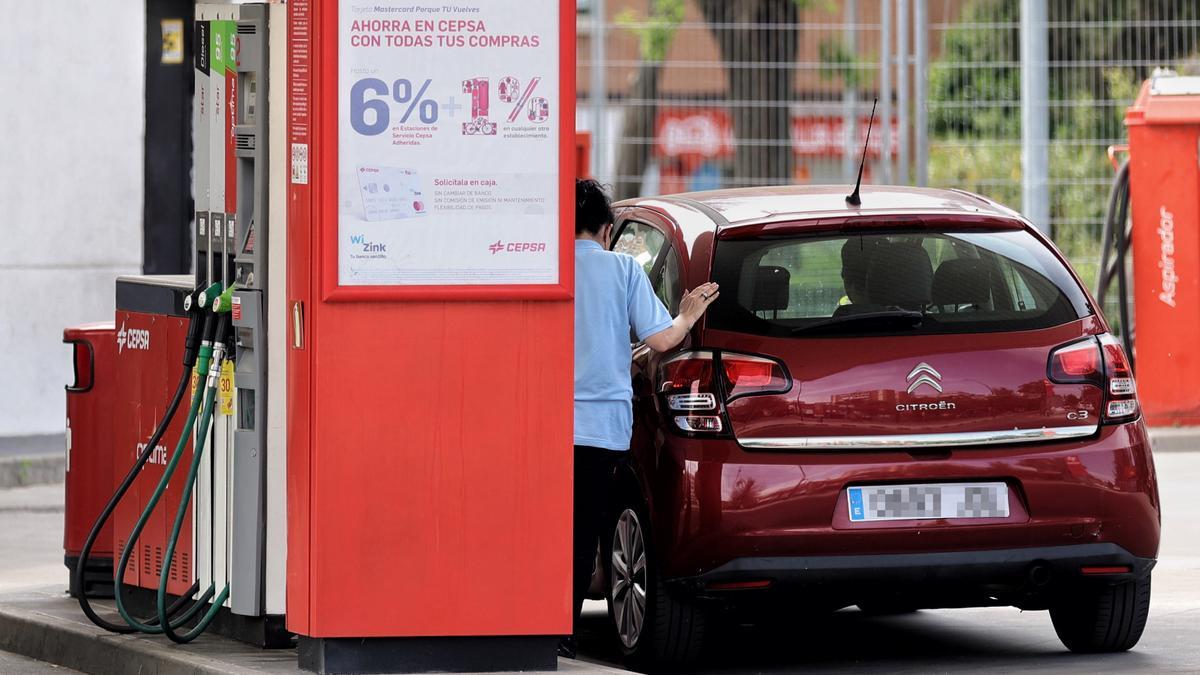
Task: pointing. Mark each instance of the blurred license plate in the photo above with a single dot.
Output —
(931, 501)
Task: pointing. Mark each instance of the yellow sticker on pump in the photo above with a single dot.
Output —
(225, 388)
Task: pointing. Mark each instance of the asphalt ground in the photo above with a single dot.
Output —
(984, 640)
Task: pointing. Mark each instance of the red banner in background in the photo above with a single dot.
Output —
(822, 136)
(693, 134)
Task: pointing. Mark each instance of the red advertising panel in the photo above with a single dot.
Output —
(431, 324)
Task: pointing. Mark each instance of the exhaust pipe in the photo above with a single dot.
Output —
(1039, 574)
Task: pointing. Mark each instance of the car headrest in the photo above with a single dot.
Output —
(963, 281)
(772, 285)
(900, 276)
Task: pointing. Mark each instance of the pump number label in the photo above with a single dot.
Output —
(225, 388)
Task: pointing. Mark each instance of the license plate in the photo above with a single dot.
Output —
(929, 501)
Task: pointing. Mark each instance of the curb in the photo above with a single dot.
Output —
(47, 625)
(1175, 439)
(33, 470)
(64, 643)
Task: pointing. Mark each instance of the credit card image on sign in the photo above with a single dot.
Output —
(390, 193)
(349, 196)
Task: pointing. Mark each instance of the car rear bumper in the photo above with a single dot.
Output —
(715, 503)
(1002, 576)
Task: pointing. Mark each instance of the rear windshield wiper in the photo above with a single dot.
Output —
(891, 317)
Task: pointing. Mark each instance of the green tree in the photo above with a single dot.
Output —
(1099, 51)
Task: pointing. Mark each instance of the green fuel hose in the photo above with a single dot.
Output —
(206, 417)
(221, 306)
(205, 299)
(196, 328)
(118, 580)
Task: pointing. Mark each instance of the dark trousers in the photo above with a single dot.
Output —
(595, 469)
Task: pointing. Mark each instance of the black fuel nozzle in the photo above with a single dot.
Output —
(195, 315)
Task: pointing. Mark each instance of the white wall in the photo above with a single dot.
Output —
(71, 127)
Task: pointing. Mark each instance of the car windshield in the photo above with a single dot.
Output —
(892, 283)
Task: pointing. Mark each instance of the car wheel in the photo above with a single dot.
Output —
(1103, 619)
(654, 626)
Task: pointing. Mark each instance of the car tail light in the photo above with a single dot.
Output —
(746, 374)
(1120, 392)
(697, 384)
(1100, 362)
(689, 387)
(1077, 363)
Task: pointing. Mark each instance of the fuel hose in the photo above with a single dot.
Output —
(203, 360)
(196, 323)
(1114, 250)
(221, 306)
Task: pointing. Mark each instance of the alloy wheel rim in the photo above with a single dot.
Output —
(629, 578)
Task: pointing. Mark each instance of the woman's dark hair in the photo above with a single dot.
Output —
(593, 210)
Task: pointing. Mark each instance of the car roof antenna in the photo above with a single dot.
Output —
(852, 199)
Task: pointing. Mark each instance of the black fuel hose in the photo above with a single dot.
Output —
(1114, 251)
(196, 327)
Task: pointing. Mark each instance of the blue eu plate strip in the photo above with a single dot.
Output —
(856, 504)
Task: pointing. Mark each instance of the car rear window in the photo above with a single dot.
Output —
(887, 283)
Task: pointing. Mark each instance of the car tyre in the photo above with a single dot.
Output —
(655, 627)
(1103, 619)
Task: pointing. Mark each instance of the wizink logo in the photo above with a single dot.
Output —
(517, 247)
(134, 338)
(367, 246)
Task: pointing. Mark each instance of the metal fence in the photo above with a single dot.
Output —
(1018, 100)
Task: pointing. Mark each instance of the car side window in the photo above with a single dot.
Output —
(669, 284)
(641, 241)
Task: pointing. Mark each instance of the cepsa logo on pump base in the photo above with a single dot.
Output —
(133, 338)
(517, 247)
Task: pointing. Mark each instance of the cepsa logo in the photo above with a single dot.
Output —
(134, 338)
(517, 247)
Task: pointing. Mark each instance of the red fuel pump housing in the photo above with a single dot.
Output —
(151, 328)
(1164, 178)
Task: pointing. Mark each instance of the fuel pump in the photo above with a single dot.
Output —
(206, 545)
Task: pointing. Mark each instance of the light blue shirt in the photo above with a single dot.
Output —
(612, 296)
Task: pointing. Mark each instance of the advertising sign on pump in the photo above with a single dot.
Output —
(448, 144)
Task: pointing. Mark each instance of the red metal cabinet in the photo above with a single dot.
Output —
(1164, 180)
(89, 470)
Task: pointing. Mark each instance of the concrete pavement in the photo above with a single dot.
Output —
(33, 603)
(12, 664)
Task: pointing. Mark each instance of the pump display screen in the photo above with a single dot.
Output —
(448, 143)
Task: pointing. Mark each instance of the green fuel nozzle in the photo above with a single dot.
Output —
(210, 294)
(224, 302)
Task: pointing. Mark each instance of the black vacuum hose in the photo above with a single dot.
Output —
(1114, 250)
